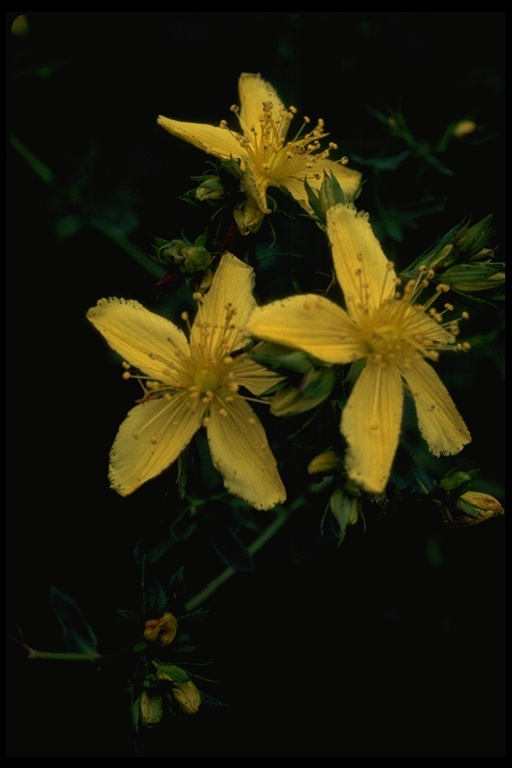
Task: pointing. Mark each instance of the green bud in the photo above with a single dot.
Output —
(329, 194)
(456, 481)
(210, 189)
(195, 259)
(280, 357)
(469, 241)
(289, 401)
(318, 382)
(469, 278)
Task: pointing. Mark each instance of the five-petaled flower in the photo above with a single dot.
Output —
(190, 384)
(267, 157)
(389, 337)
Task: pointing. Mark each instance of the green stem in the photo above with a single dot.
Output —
(269, 532)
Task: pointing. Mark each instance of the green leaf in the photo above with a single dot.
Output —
(77, 634)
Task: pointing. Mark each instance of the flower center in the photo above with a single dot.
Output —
(205, 380)
(271, 155)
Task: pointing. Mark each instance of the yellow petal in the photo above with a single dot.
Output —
(212, 139)
(348, 179)
(150, 439)
(371, 422)
(231, 287)
(311, 323)
(253, 92)
(439, 421)
(256, 185)
(144, 339)
(363, 271)
(241, 453)
(253, 376)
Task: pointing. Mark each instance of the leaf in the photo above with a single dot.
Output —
(77, 633)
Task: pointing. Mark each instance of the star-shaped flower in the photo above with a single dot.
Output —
(389, 336)
(189, 384)
(267, 156)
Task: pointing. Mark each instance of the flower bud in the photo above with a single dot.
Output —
(468, 278)
(464, 128)
(248, 216)
(161, 631)
(455, 481)
(344, 505)
(289, 401)
(325, 463)
(276, 356)
(195, 259)
(470, 508)
(151, 709)
(187, 697)
(210, 189)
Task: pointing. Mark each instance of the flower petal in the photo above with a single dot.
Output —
(439, 421)
(348, 179)
(144, 339)
(255, 377)
(311, 323)
(214, 140)
(241, 453)
(231, 289)
(253, 92)
(371, 422)
(150, 439)
(363, 271)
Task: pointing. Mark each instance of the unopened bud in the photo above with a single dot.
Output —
(289, 401)
(195, 259)
(161, 631)
(187, 697)
(325, 463)
(210, 189)
(151, 709)
(277, 356)
(248, 217)
(455, 480)
(470, 508)
(464, 128)
(469, 278)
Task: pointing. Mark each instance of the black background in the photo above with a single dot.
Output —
(369, 649)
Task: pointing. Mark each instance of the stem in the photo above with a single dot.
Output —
(283, 516)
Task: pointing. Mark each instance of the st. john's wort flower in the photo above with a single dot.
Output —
(387, 335)
(267, 155)
(189, 384)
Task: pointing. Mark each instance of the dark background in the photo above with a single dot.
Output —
(393, 643)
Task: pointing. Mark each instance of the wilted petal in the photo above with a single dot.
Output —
(371, 422)
(363, 271)
(212, 139)
(439, 421)
(241, 453)
(150, 439)
(311, 323)
(145, 340)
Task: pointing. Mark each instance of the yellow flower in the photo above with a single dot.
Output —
(267, 157)
(189, 384)
(389, 335)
